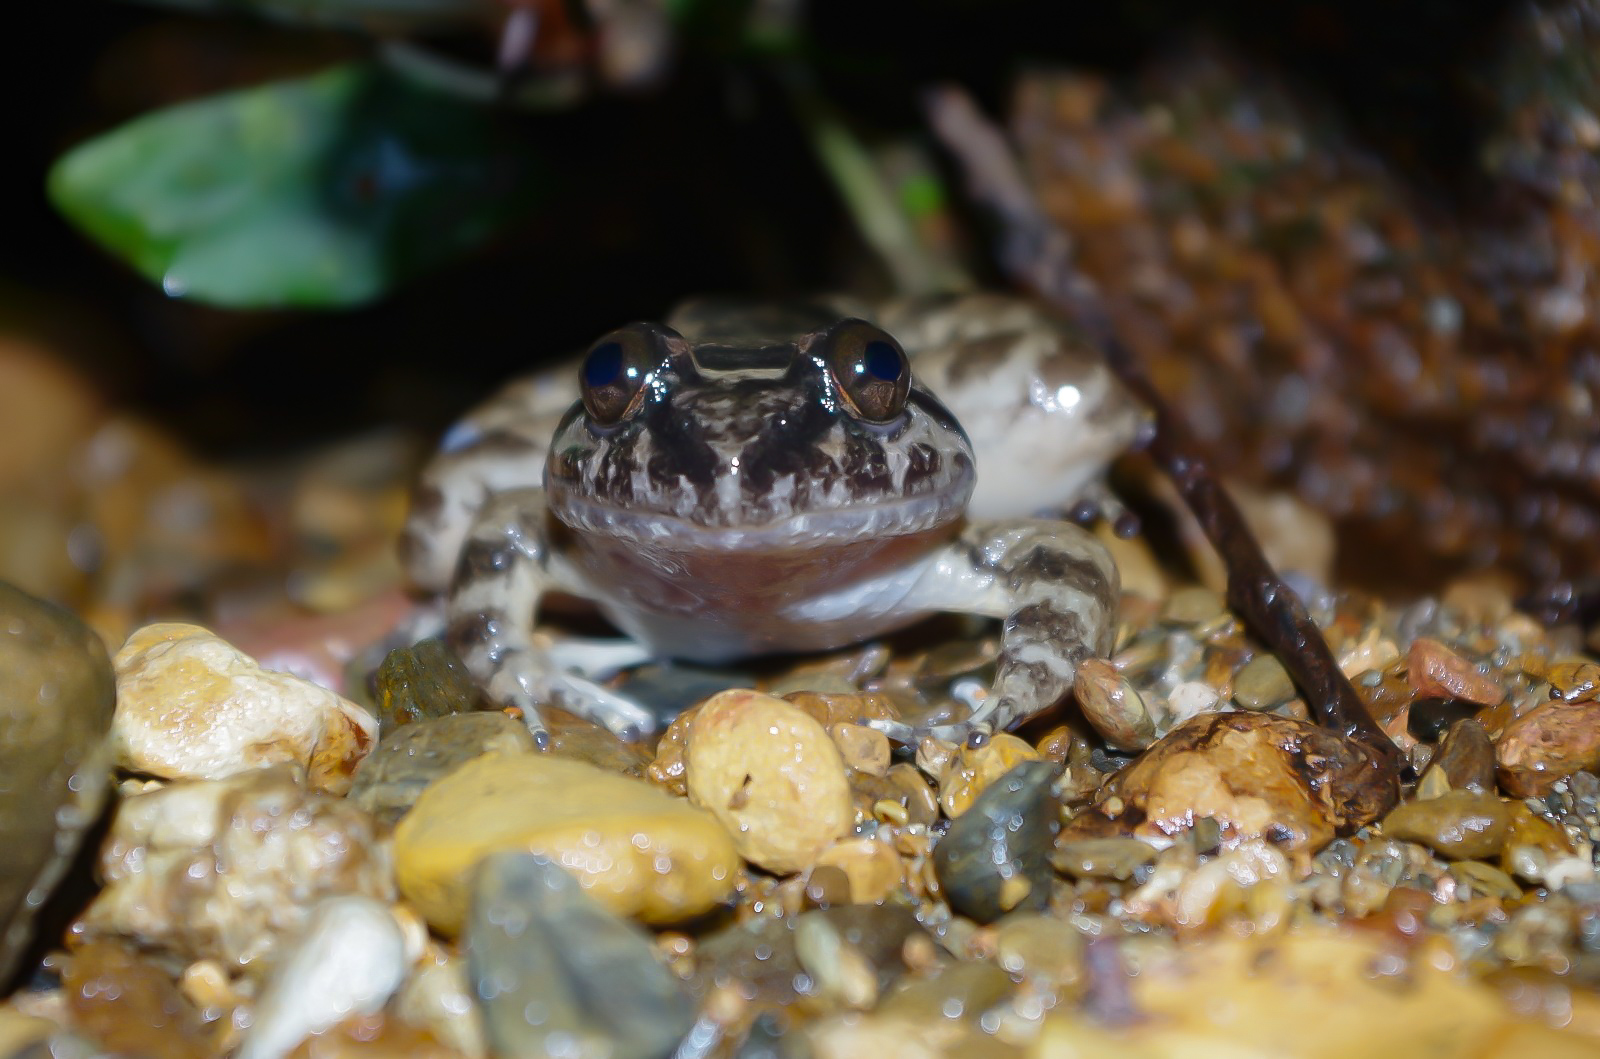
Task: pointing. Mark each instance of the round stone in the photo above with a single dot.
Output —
(639, 851)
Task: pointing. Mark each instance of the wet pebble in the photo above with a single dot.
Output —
(56, 697)
(971, 770)
(1460, 825)
(1551, 741)
(555, 972)
(853, 953)
(130, 1006)
(391, 778)
(1103, 858)
(1465, 758)
(1113, 706)
(230, 869)
(423, 682)
(1262, 684)
(770, 773)
(350, 960)
(962, 990)
(192, 706)
(996, 856)
(1040, 948)
(640, 852)
(1437, 671)
(872, 868)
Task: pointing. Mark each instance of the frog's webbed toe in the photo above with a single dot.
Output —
(506, 567)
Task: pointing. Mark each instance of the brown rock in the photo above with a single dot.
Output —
(1549, 742)
(1437, 671)
(1256, 775)
(1465, 757)
(769, 772)
(874, 869)
(392, 777)
(1461, 825)
(126, 1003)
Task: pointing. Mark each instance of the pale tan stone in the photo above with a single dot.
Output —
(863, 749)
(641, 852)
(873, 868)
(190, 705)
(770, 773)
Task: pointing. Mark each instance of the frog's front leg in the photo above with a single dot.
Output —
(1055, 587)
(507, 566)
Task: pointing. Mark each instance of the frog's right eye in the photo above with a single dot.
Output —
(616, 369)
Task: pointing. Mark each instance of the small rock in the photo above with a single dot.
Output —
(1257, 775)
(1465, 758)
(1039, 947)
(1460, 825)
(873, 868)
(391, 778)
(350, 960)
(56, 697)
(1262, 684)
(1575, 681)
(423, 682)
(640, 852)
(131, 1006)
(854, 953)
(757, 958)
(972, 769)
(1112, 705)
(1486, 879)
(1192, 606)
(192, 706)
(996, 856)
(437, 996)
(863, 749)
(1103, 858)
(769, 772)
(1551, 741)
(582, 740)
(227, 869)
(556, 973)
(1437, 671)
(963, 990)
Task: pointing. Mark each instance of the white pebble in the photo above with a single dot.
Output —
(351, 960)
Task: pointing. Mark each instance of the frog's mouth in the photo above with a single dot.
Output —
(827, 527)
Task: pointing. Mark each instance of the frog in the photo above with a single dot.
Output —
(748, 478)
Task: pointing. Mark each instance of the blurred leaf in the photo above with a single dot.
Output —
(325, 191)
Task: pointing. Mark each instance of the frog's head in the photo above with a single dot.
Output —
(774, 446)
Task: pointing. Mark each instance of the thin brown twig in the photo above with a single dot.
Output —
(1038, 255)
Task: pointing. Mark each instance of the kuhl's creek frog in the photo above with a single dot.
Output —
(754, 479)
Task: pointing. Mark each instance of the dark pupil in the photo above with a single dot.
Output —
(603, 366)
(881, 361)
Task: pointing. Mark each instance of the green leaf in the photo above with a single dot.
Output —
(325, 191)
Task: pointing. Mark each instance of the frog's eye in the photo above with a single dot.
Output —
(616, 368)
(870, 369)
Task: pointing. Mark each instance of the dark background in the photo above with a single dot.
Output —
(705, 185)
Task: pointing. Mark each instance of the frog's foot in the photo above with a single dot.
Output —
(505, 569)
(1056, 588)
(912, 735)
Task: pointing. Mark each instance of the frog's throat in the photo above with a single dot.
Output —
(803, 530)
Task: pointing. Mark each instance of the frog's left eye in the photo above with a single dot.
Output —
(616, 368)
(870, 369)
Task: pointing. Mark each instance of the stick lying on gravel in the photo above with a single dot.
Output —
(1038, 255)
